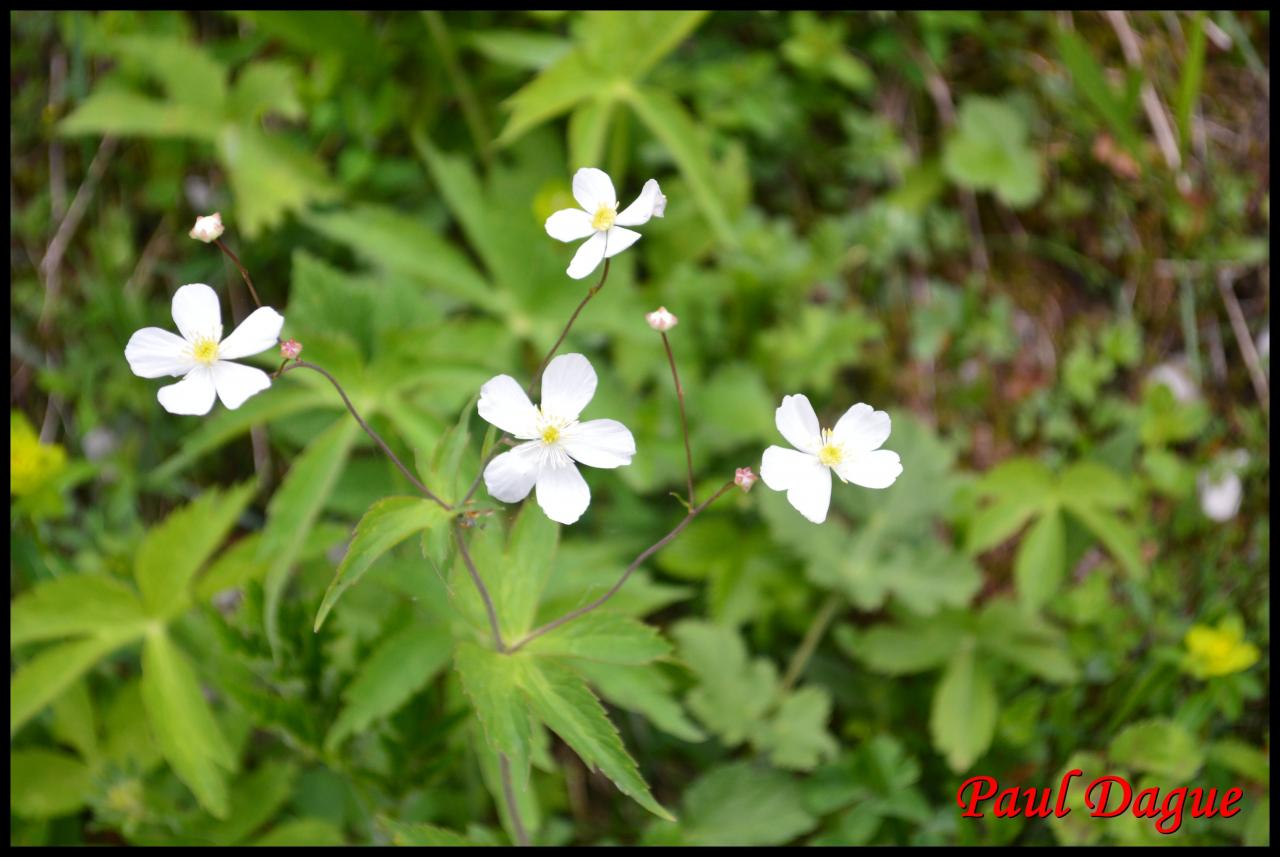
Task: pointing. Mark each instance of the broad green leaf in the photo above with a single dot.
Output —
(994, 523)
(401, 666)
(603, 637)
(255, 800)
(1117, 535)
(562, 700)
(266, 86)
(186, 71)
(645, 690)
(271, 177)
(1161, 747)
(1038, 567)
(295, 507)
(733, 693)
(963, 720)
(988, 151)
(532, 50)
(902, 650)
(73, 605)
(128, 741)
(42, 679)
(184, 725)
(47, 783)
(531, 549)
(630, 43)
(235, 566)
(387, 523)
(301, 832)
(1025, 640)
(419, 833)
(1088, 483)
(795, 736)
(123, 113)
(74, 723)
(174, 550)
(741, 803)
(588, 129)
(562, 85)
(667, 120)
(491, 682)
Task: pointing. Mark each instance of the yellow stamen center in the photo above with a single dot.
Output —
(831, 454)
(205, 350)
(550, 434)
(605, 215)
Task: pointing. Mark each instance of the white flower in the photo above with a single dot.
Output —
(555, 439)
(851, 449)
(207, 229)
(201, 356)
(1176, 375)
(1219, 485)
(599, 218)
(661, 319)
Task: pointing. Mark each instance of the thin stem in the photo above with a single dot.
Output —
(243, 272)
(812, 636)
(513, 809)
(591, 293)
(1247, 349)
(408, 474)
(484, 592)
(635, 563)
(684, 422)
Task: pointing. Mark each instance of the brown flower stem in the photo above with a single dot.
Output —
(684, 422)
(509, 794)
(243, 272)
(635, 563)
(408, 474)
(484, 592)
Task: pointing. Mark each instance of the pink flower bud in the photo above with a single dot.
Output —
(661, 319)
(207, 229)
(290, 349)
(744, 478)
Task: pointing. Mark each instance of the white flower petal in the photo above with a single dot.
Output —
(798, 423)
(878, 469)
(592, 189)
(256, 334)
(196, 312)
(510, 476)
(618, 239)
(861, 429)
(568, 384)
(650, 203)
(236, 383)
(588, 257)
(504, 403)
(806, 481)
(562, 492)
(155, 353)
(599, 443)
(569, 224)
(192, 396)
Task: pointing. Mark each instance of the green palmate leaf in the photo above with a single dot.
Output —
(174, 551)
(491, 682)
(562, 700)
(645, 690)
(301, 832)
(667, 120)
(73, 721)
(271, 177)
(255, 800)
(47, 783)
(387, 523)
(963, 719)
(1161, 747)
(267, 86)
(1021, 487)
(124, 113)
(523, 573)
(72, 606)
(904, 650)
(604, 637)
(1024, 639)
(989, 151)
(184, 725)
(188, 74)
(401, 666)
(235, 566)
(42, 679)
(294, 508)
(742, 803)
(557, 89)
(796, 736)
(1116, 535)
(631, 43)
(588, 130)
(1088, 483)
(518, 48)
(420, 833)
(1038, 569)
(733, 692)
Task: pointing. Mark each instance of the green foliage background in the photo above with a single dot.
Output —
(969, 220)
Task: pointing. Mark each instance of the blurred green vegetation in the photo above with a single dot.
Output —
(1040, 241)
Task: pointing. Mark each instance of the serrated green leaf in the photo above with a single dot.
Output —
(74, 723)
(557, 89)
(645, 690)
(401, 666)
(603, 637)
(74, 605)
(491, 683)
(254, 801)
(174, 550)
(795, 737)
(1089, 483)
(1116, 535)
(733, 693)
(47, 783)
(123, 113)
(903, 650)
(418, 833)
(1161, 747)
(1039, 566)
(42, 679)
(295, 832)
(184, 725)
(271, 177)
(562, 700)
(387, 523)
(963, 719)
(742, 803)
(1026, 640)
(525, 569)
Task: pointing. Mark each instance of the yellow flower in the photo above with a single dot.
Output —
(1218, 651)
(31, 463)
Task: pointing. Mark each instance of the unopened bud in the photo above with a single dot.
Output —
(744, 478)
(290, 349)
(207, 229)
(661, 319)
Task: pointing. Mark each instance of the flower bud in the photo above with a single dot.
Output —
(290, 349)
(744, 478)
(661, 319)
(207, 229)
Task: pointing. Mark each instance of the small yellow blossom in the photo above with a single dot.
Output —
(31, 463)
(1218, 651)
